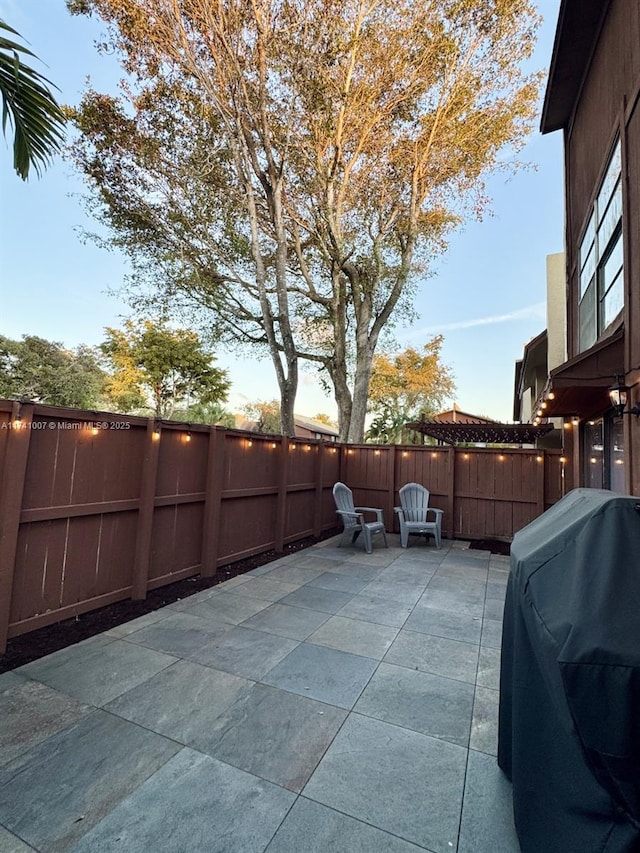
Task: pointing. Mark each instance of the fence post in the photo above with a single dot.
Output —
(540, 490)
(281, 505)
(391, 488)
(11, 494)
(451, 497)
(318, 474)
(213, 502)
(145, 512)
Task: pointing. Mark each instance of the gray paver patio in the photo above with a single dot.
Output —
(329, 702)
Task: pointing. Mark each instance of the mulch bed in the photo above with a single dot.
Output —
(44, 641)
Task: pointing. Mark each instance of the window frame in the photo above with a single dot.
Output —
(602, 240)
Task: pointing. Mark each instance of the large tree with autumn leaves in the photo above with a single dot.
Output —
(292, 166)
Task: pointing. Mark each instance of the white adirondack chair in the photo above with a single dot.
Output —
(416, 516)
(354, 520)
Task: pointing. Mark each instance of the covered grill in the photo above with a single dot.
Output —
(569, 736)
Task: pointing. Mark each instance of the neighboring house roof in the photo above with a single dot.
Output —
(533, 363)
(457, 416)
(314, 426)
(304, 423)
(579, 22)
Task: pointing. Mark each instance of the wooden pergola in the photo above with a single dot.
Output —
(481, 432)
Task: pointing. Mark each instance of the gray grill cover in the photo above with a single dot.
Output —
(569, 731)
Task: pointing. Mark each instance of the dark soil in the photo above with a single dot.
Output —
(44, 641)
(493, 545)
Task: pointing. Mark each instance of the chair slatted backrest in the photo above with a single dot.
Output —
(414, 499)
(343, 497)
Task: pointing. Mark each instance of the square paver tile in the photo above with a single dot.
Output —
(321, 673)
(266, 588)
(355, 636)
(65, 656)
(193, 804)
(10, 843)
(182, 701)
(244, 652)
(287, 621)
(315, 598)
(484, 727)
(339, 582)
(437, 655)
(494, 609)
(228, 607)
(274, 734)
(53, 794)
(102, 672)
(412, 573)
(379, 557)
(487, 814)
(462, 571)
(489, 668)
(404, 593)
(445, 623)
(397, 780)
(435, 706)
(119, 631)
(313, 828)
(492, 633)
(179, 634)
(30, 712)
(297, 574)
(372, 608)
(364, 571)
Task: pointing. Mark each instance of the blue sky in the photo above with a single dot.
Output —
(486, 296)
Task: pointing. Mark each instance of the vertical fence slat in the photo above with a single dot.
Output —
(11, 493)
(281, 506)
(145, 512)
(449, 517)
(213, 502)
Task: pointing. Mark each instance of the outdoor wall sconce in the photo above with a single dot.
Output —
(619, 396)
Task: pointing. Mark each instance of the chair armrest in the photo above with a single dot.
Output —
(378, 512)
(350, 516)
(438, 512)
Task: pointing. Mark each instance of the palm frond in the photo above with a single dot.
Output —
(29, 107)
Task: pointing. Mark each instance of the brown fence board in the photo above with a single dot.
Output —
(94, 516)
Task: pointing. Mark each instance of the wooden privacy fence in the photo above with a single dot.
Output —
(96, 508)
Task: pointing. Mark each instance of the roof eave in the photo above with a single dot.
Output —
(579, 22)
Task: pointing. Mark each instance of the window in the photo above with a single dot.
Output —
(604, 454)
(601, 296)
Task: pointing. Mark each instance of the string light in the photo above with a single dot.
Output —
(188, 436)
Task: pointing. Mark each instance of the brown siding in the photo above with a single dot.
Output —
(608, 106)
(614, 69)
